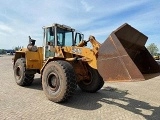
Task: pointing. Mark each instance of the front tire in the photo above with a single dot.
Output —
(20, 75)
(94, 84)
(59, 81)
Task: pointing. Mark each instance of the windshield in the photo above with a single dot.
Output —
(64, 37)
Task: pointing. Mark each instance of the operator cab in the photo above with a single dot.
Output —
(59, 35)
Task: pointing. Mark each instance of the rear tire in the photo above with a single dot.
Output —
(59, 81)
(94, 84)
(20, 75)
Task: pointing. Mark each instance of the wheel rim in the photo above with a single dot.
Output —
(53, 82)
(18, 72)
(88, 81)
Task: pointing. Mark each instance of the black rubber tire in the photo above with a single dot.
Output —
(94, 84)
(59, 81)
(20, 75)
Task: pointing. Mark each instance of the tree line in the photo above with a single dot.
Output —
(4, 51)
(153, 49)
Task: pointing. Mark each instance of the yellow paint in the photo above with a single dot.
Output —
(34, 60)
(83, 52)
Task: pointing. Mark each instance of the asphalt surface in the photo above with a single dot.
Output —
(115, 101)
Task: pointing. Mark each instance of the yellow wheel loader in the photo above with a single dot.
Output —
(64, 61)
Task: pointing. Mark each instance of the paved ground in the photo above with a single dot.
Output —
(115, 101)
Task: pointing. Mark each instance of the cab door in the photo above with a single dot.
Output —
(49, 42)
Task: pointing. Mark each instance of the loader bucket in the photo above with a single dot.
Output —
(123, 56)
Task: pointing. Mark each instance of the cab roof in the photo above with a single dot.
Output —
(60, 26)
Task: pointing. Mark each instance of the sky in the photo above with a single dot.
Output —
(23, 18)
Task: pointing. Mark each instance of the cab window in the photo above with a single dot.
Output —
(50, 36)
(64, 37)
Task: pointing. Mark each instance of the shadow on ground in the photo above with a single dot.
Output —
(37, 84)
(150, 76)
(130, 104)
(110, 96)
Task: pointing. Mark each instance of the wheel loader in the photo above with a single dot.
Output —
(64, 61)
